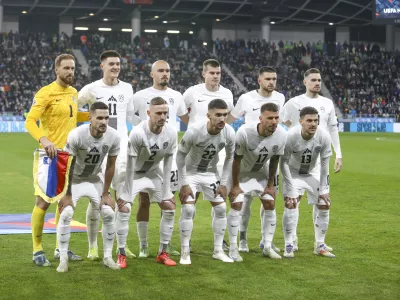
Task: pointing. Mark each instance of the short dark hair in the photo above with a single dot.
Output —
(109, 53)
(158, 101)
(266, 69)
(311, 71)
(62, 57)
(269, 107)
(217, 104)
(98, 105)
(210, 62)
(308, 110)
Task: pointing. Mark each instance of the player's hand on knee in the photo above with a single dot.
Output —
(290, 202)
(185, 192)
(325, 199)
(49, 147)
(221, 191)
(107, 200)
(121, 203)
(269, 191)
(234, 192)
(338, 165)
(64, 202)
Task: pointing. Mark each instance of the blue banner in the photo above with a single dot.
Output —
(376, 120)
(10, 126)
(371, 127)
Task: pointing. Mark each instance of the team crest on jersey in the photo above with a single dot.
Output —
(318, 149)
(275, 148)
(165, 145)
(171, 101)
(221, 146)
(322, 109)
(121, 98)
(104, 149)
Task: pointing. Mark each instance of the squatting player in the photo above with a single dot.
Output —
(89, 145)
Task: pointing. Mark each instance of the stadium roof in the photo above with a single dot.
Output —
(284, 12)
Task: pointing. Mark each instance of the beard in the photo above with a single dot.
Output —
(67, 80)
(164, 83)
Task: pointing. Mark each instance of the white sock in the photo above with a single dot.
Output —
(296, 220)
(108, 230)
(219, 225)
(262, 220)
(166, 229)
(186, 224)
(122, 226)
(233, 226)
(245, 214)
(269, 227)
(92, 224)
(288, 224)
(321, 225)
(64, 231)
(314, 213)
(142, 231)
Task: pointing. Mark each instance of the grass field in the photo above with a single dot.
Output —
(363, 231)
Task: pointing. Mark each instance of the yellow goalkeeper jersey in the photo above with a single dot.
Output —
(56, 108)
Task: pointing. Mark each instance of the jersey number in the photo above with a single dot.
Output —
(92, 158)
(306, 159)
(110, 109)
(174, 176)
(262, 158)
(70, 112)
(215, 186)
(153, 153)
(208, 154)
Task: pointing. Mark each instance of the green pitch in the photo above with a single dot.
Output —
(364, 232)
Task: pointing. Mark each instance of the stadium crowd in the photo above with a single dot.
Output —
(362, 79)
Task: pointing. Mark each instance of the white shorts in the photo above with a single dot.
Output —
(91, 190)
(175, 186)
(206, 183)
(252, 184)
(302, 183)
(148, 182)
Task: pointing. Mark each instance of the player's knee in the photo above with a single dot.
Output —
(188, 211)
(220, 210)
(167, 205)
(67, 213)
(41, 203)
(269, 204)
(168, 214)
(107, 214)
(290, 204)
(237, 206)
(126, 208)
(323, 207)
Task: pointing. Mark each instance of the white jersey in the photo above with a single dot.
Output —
(257, 150)
(197, 98)
(119, 99)
(249, 105)
(176, 105)
(203, 148)
(326, 110)
(304, 155)
(90, 151)
(150, 148)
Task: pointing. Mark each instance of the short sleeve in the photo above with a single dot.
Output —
(187, 141)
(238, 110)
(283, 139)
(240, 143)
(136, 102)
(188, 98)
(115, 148)
(182, 110)
(85, 96)
(230, 101)
(73, 143)
(287, 112)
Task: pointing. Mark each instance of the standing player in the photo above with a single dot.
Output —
(149, 142)
(89, 145)
(256, 144)
(160, 72)
(249, 105)
(55, 106)
(197, 160)
(118, 96)
(307, 143)
(326, 119)
(198, 97)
